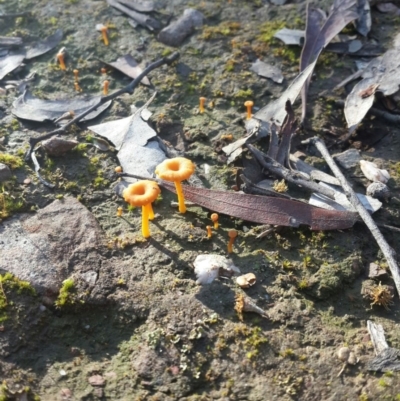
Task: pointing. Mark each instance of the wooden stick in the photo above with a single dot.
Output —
(387, 251)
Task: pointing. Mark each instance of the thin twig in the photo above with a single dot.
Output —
(295, 178)
(127, 89)
(387, 251)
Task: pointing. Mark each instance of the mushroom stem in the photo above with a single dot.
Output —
(150, 211)
(145, 221)
(60, 58)
(249, 104)
(232, 235)
(209, 232)
(201, 106)
(119, 212)
(181, 197)
(104, 34)
(105, 87)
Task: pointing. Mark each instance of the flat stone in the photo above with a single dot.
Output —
(375, 271)
(58, 242)
(5, 173)
(348, 159)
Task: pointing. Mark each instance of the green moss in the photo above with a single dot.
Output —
(269, 29)
(243, 94)
(9, 203)
(65, 296)
(9, 281)
(11, 161)
(226, 28)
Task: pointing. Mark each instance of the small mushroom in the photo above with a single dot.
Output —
(61, 58)
(201, 104)
(249, 104)
(246, 281)
(103, 29)
(176, 170)
(232, 235)
(106, 84)
(142, 193)
(214, 219)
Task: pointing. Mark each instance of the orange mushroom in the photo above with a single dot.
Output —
(214, 219)
(142, 193)
(249, 104)
(105, 87)
(176, 170)
(118, 169)
(119, 211)
(201, 106)
(76, 73)
(77, 87)
(61, 59)
(209, 232)
(103, 29)
(232, 235)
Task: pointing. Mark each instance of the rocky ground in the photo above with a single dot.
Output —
(93, 311)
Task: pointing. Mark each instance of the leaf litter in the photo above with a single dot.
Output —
(279, 152)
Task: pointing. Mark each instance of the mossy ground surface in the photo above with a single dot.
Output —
(161, 337)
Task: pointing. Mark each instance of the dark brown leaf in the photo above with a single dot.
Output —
(265, 209)
(288, 128)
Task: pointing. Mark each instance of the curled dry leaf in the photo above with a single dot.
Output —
(373, 173)
(209, 267)
(246, 304)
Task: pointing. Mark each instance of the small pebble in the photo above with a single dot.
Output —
(27, 181)
(343, 354)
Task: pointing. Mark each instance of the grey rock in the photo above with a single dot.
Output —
(348, 159)
(57, 146)
(175, 33)
(60, 241)
(378, 190)
(5, 173)
(278, 2)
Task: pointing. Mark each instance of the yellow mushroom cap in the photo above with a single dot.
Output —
(141, 193)
(177, 169)
(214, 217)
(249, 103)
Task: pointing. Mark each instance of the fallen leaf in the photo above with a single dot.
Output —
(356, 105)
(265, 209)
(29, 107)
(341, 14)
(141, 19)
(290, 36)
(128, 66)
(267, 71)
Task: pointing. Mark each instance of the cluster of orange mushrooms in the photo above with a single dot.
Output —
(143, 193)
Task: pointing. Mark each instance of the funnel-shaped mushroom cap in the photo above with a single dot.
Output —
(141, 193)
(177, 169)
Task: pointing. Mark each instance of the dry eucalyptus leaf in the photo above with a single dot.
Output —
(128, 66)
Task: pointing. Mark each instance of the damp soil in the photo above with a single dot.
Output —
(159, 336)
